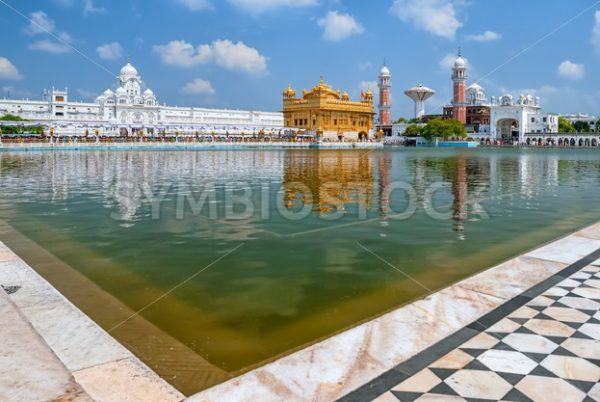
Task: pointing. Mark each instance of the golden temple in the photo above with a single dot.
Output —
(329, 113)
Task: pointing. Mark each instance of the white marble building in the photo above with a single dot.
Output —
(511, 119)
(132, 110)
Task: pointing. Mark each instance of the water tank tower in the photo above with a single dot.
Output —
(419, 95)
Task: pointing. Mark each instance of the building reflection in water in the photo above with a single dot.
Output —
(329, 182)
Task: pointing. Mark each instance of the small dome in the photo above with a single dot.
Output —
(289, 92)
(121, 91)
(128, 69)
(384, 71)
(475, 86)
(460, 62)
(148, 93)
(108, 93)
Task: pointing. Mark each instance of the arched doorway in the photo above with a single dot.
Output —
(594, 143)
(124, 132)
(362, 136)
(587, 142)
(572, 142)
(508, 130)
(580, 142)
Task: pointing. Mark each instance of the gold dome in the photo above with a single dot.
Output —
(289, 92)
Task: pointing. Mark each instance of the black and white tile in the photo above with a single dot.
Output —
(547, 350)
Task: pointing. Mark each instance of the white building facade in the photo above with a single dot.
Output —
(511, 120)
(131, 111)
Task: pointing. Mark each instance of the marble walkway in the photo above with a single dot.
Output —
(51, 351)
(544, 346)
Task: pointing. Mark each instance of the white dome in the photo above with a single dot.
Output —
(128, 69)
(121, 91)
(384, 71)
(476, 94)
(108, 93)
(148, 93)
(460, 62)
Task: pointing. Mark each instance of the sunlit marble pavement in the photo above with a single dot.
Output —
(50, 350)
(547, 350)
(335, 367)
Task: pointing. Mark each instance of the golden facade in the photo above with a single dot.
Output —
(324, 110)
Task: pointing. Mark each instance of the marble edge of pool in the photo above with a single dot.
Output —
(332, 368)
(56, 351)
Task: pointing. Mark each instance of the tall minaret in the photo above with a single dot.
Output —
(385, 99)
(459, 101)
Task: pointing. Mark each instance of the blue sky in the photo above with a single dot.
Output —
(242, 53)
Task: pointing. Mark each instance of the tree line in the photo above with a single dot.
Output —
(19, 129)
(438, 127)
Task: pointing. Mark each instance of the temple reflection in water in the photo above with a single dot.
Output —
(333, 181)
(349, 183)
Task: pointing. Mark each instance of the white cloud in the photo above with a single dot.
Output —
(8, 71)
(89, 8)
(49, 46)
(41, 24)
(570, 70)
(196, 5)
(447, 63)
(487, 36)
(198, 86)
(238, 56)
(110, 51)
(337, 27)
(437, 17)
(596, 31)
(224, 53)
(260, 6)
(182, 54)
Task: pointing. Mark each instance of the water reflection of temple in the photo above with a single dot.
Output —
(331, 181)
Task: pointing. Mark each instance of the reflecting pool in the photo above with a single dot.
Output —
(208, 263)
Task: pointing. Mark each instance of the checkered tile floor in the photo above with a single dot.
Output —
(547, 350)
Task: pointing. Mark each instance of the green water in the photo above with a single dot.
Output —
(308, 257)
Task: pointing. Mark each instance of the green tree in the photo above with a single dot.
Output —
(598, 126)
(413, 131)
(19, 129)
(11, 117)
(582, 126)
(444, 128)
(401, 120)
(564, 126)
